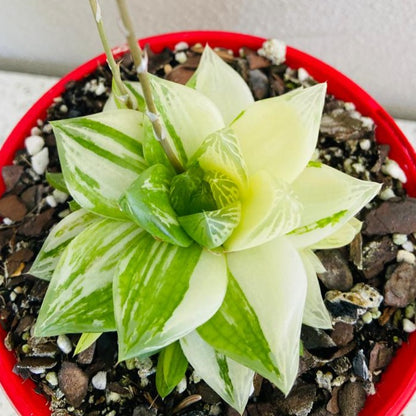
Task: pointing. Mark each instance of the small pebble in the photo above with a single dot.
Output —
(60, 197)
(7, 221)
(47, 128)
(181, 387)
(387, 194)
(408, 326)
(64, 344)
(34, 144)
(181, 57)
(112, 396)
(408, 246)
(35, 131)
(399, 239)
(368, 123)
(40, 161)
(63, 108)
(101, 89)
(349, 106)
(274, 50)
(404, 256)
(392, 169)
(51, 201)
(99, 381)
(303, 74)
(181, 46)
(409, 311)
(13, 296)
(365, 144)
(367, 318)
(52, 378)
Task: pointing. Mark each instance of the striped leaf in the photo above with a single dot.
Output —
(188, 116)
(220, 152)
(222, 84)
(279, 134)
(211, 228)
(224, 191)
(330, 199)
(146, 202)
(315, 313)
(230, 380)
(79, 297)
(59, 237)
(269, 209)
(101, 155)
(171, 368)
(259, 323)
(117, 101)
(85, 341)
(162, 292)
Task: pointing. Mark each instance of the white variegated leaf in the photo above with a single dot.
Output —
(86, 340)
(224, 191)
(269, 209)
(162, 292)
(330, 199)
(222, 84)
(187, 115)
(59, 237)
(315, 314)
(117, 101)
(279, 134)
(341, 237)
(231, 381)
(80, 294)
(259, 322)
(101, 155)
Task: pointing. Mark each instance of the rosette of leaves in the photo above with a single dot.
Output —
(213, 265)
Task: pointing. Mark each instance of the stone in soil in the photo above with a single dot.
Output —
(338, 274)
(11, 175)
(351, 399)
(299, 402)
(377, 254)
(73, 382)
(380, 356)
(342, 334)
(12, 207)
(400, 288)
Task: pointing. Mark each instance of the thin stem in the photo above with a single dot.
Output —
(141, 67)
(115, 70)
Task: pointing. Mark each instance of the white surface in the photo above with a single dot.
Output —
(371, 41)
(19, 91)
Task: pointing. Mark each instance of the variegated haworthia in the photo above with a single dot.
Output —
(214, 265)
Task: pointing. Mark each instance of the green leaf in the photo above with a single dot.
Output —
(171, 368)
(57, 181)
(211, 228)
(101, 155)
(117, 101)
(59, 237)
(315, 313)
(279, 134)
(79, 297)
(190, 193)
(162, 292)
(85, 341)
(269, 209)
(222, 84)
(146, 202)
(230, 380)
(259, 323)
(330, 199)
(224, 191)
(220, 152)
(188, 116)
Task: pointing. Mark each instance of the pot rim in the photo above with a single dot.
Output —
(398, 382)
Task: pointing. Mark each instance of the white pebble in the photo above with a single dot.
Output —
(368, 122)
(7, 221)
(63, 108)
(40, 161)
(113, 397)
(399, 239)
(99, 381)
(274, 50)
(60, 197)
(181, 57)
(365, 144)
(303, 74)
(34, 144)
(408, 325)
(51, 201)
(386, 194)
(101, 89)
(181, 387)
(64, 344)
(408, 246)
(181, 46)
(35, 131)
(195, 378)
(391, 168)
(47, 128)
(52, 378)
(12, 296)
(349, 106)
(404, 256)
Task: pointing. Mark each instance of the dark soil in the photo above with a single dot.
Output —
(338, 368)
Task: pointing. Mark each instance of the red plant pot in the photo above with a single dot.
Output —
(398, 382)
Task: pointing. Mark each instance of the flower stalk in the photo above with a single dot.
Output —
(140, 63)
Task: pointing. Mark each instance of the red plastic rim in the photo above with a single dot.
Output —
(398, 382)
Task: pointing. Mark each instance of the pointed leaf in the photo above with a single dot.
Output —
(146, 202)
(171, 368)
(279, 134)
(220, 152)
(101, 155)
(79, 297)
(263, 333)
(85, 341)
(211, 228)
(224, 191)
(59, 237)
(117, 101)
(268, 210)
(222, 84)
(162, 292)
(330, 199)
(57, 181)
(315, 314)
(230, 380)
(188, 116)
